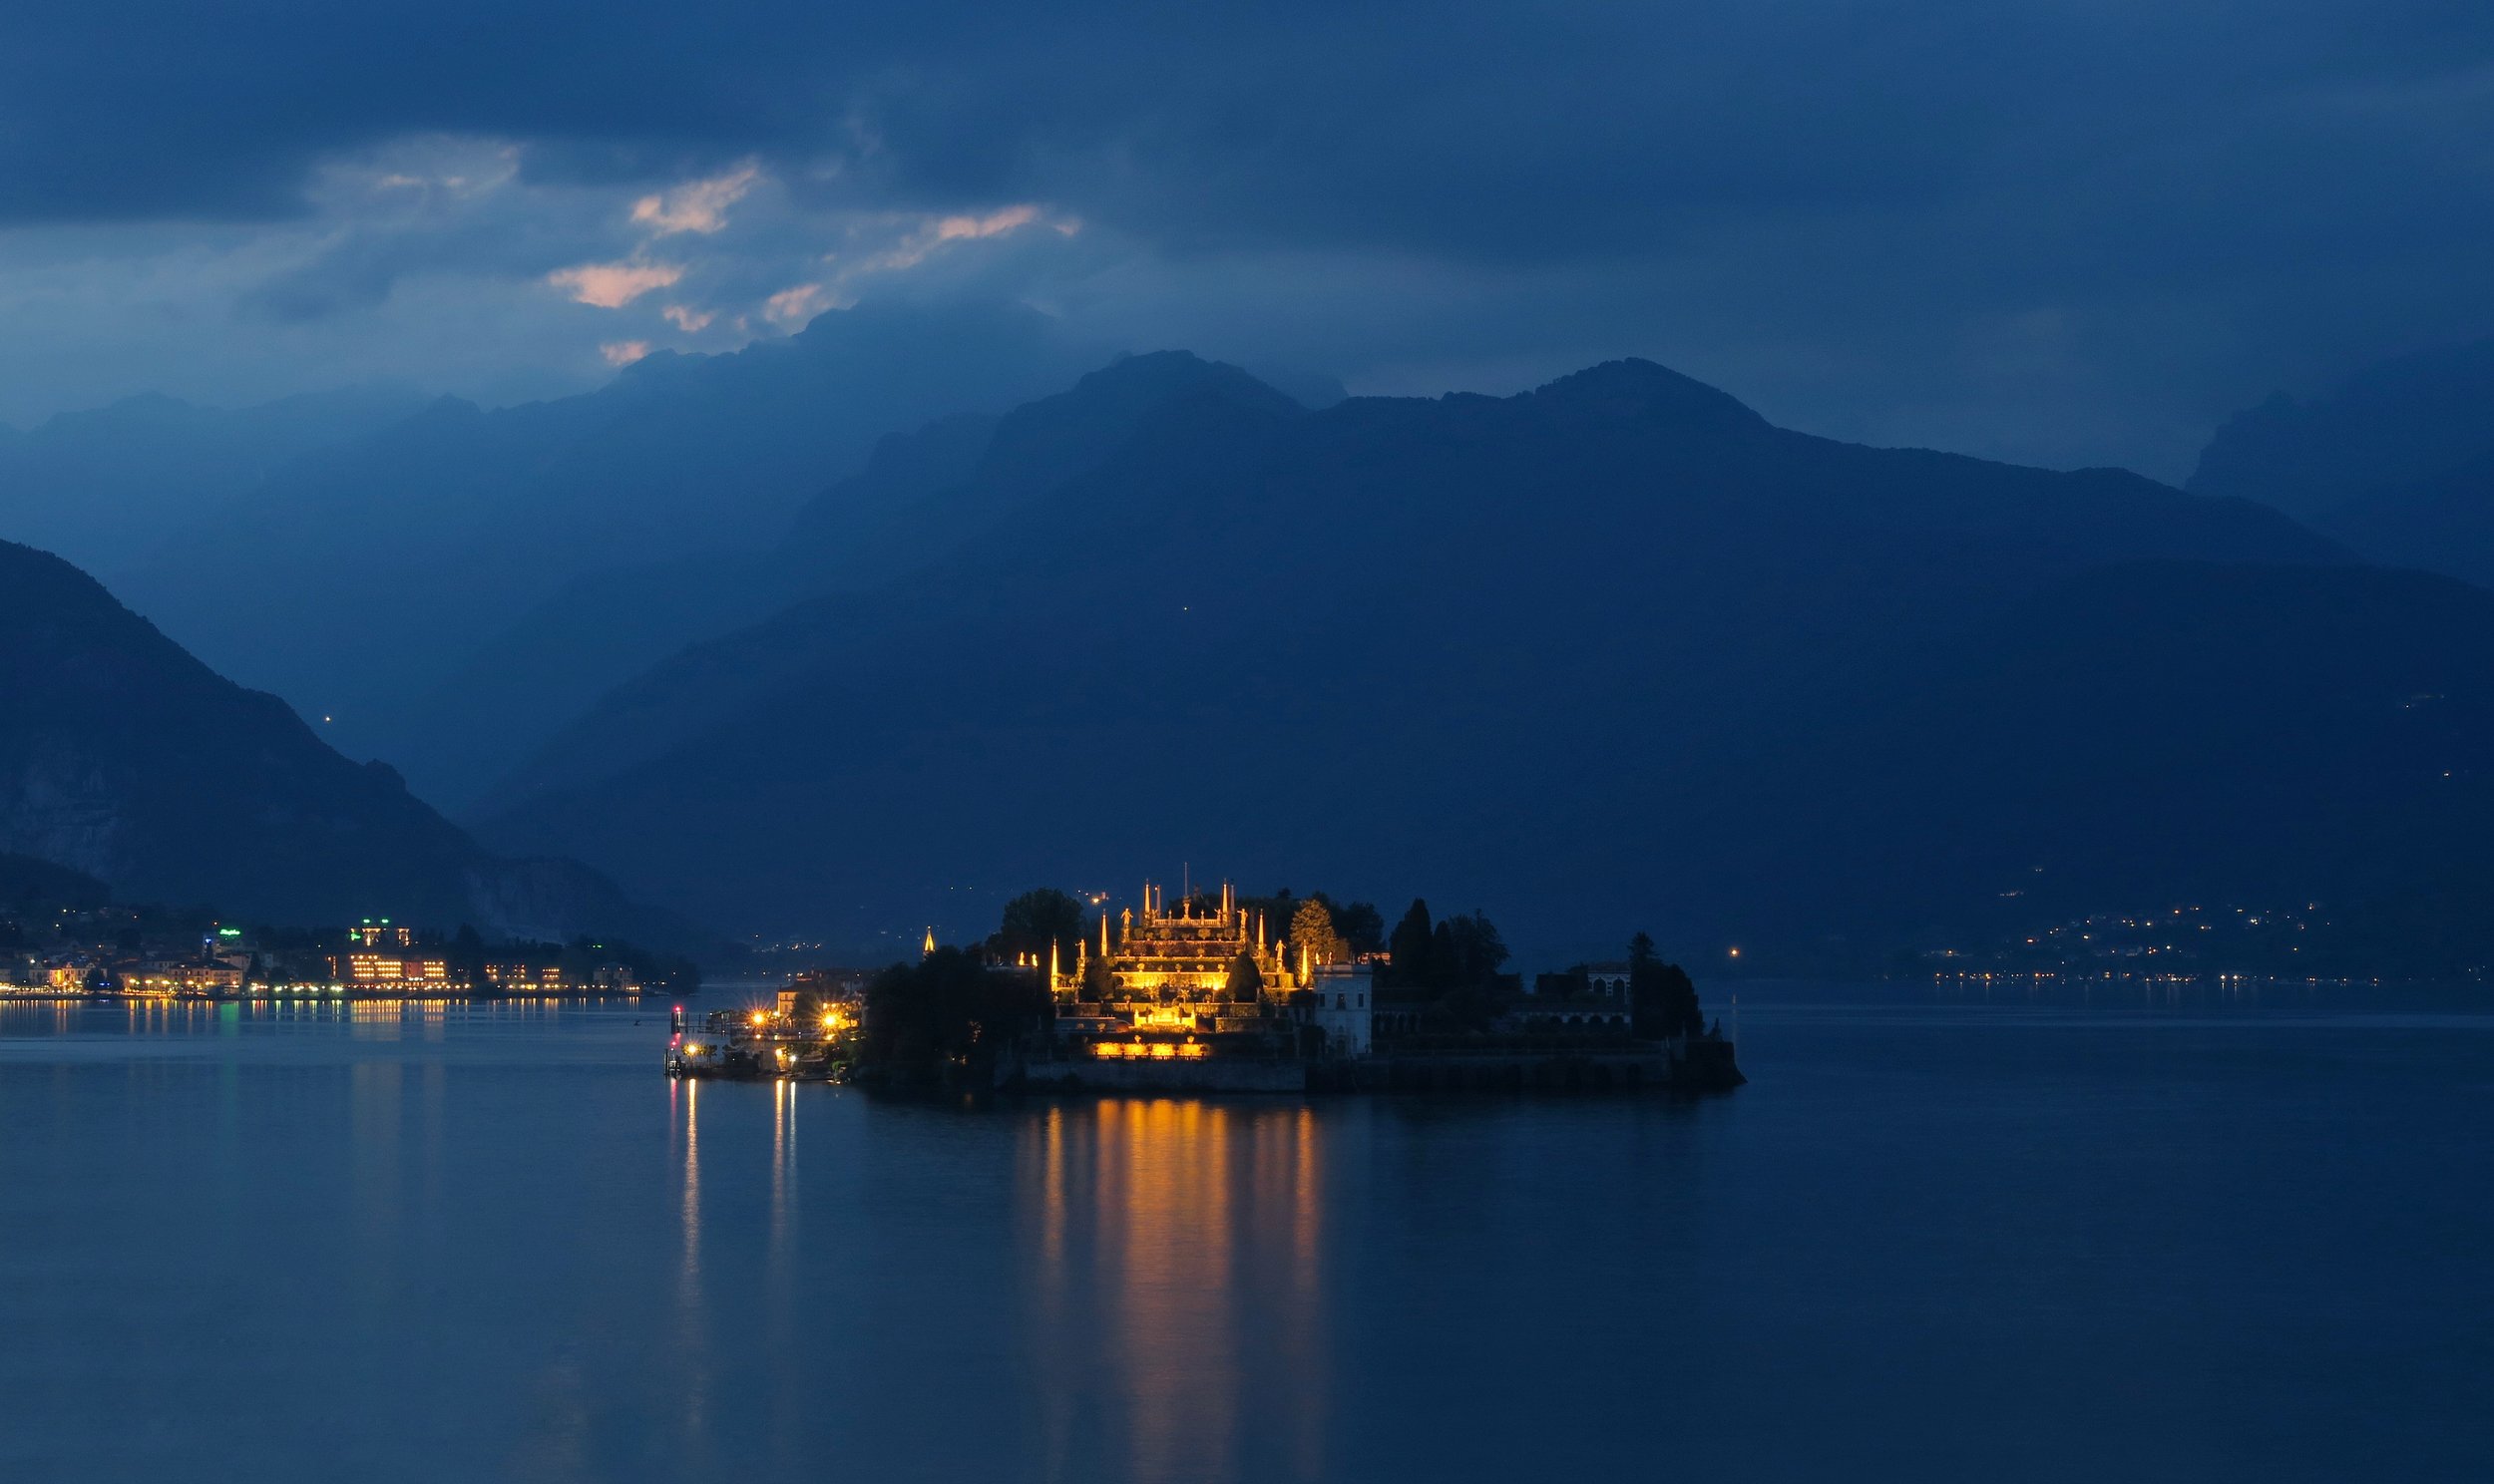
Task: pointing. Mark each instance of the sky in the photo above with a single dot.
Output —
(2060, 231)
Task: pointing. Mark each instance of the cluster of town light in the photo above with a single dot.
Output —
(1155, 1050)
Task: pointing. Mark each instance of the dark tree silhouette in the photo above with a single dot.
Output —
(1412, 949)
(1035, 920)
(949, 1010)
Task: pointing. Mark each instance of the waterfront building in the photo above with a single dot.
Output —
(380, 934)
(1344, 1007)
(1180, 985)
(157, 977)
(1607, 980)
(367, 969)
(540, 978)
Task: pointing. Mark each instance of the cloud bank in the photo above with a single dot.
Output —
(2065, 231)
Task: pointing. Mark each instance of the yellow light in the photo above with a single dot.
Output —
(1164, 1051)
(692, 1048)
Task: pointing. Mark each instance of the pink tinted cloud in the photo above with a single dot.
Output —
(623, 352)
(688, 319)
(994, 224)
(613, 285)
(794, 306)
(700, 206)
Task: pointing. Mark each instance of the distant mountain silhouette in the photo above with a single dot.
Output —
(908, 509)
(26, 883)
(107, 488)
(124, 758)
(2398, 462)
(359, 578)
(1526, 652)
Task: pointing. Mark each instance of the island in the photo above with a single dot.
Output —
(1222, 993)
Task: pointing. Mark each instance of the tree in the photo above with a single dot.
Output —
(1662, 999)
(1034, 921)
(466, 956)
(1362, 929)
(1464, 951)
(1246, 984)
(1312, 933)
(949, 1008)
(1411, 947)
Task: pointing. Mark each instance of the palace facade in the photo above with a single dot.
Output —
(1188, 984)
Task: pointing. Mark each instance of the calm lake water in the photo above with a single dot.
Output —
(1940, 1236)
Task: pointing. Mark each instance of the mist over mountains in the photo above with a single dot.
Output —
(910, 613)
(109, 487)
(126, 761)
(2397, 460)
(357, 579)
(1613, 650)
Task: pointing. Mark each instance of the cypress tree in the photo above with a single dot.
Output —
(1412, 947)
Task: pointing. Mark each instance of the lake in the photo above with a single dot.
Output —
(2128, 1235)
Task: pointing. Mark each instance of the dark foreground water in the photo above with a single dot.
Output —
(1938, 1238)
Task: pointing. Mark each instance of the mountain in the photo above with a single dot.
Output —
(125, 758)
(2146, 737)
(27, 883)
(918, 493)
(2397, 461)
(1528, 653)
(110, 486)
(357, 579)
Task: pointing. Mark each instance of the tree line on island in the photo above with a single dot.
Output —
(1448, 976)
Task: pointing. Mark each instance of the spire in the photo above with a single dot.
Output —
(927, 950)
(1051, 964)
(1104, 935)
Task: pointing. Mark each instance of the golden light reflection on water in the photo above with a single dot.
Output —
(683, 1101)
(1153, 1220)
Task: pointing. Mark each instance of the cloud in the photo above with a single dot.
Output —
(794, 306)
(701, 207)
(690, 320)
(623, 352)
(994, 224)
(1856, 214)
(613, 285)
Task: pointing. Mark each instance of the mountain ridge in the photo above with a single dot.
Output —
(1427, 585)
(125, 758)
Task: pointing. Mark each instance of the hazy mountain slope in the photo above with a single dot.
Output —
(2443, 522)
(2139, 737)
(2398, 462)
(357, 582)
(107, 488)
(122, 757)
(919, 498)
(1501, 650)
(29, 884)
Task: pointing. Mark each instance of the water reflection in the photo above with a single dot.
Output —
(1152, 1220)
(684, 1100)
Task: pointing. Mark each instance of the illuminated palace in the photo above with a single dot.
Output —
(1190, 984)
(1180, 987)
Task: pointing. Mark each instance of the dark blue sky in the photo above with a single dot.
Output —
(2060, 231)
